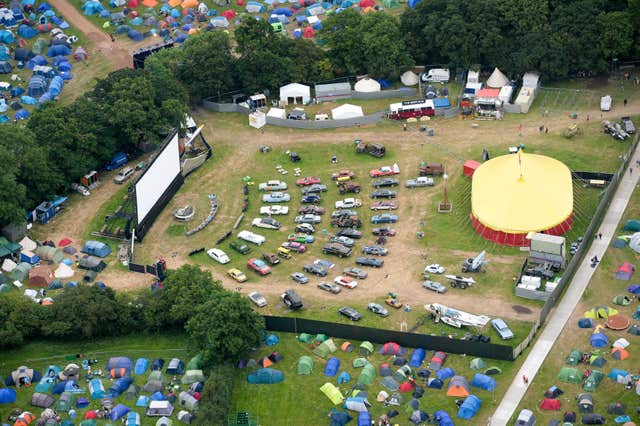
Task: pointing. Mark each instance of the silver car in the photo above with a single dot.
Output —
(435, 286)
(257, 299)
(276, 197)
(308, 218)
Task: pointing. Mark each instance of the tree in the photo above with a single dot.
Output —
(186, 286)
(616, 37)
(215, 404)
(224, 328)
(254, 35)
(12, 192)
(275, 70)
(19, 319)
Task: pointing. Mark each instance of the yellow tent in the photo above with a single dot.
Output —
(332, 392)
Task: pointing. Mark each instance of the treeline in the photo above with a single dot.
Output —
(558, 38)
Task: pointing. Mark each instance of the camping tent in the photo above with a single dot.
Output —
(132, 392)
(367, 85)
(265, 376)
(346, 111)
(344, 377)
(295, 93)
(332, 367)
(390, 383)
(550, 404)
(586, 323)
(50, 253)
(477, 364)
(65, 403)
(367, 375)
(119, 366)
(305, 365)
(20, 272)
(159, 408)
(63, 271)
(22, 376)
(392, 348)
(575, 356)
(417, 357)
(96, 389)
(119, 386)
(621, 343)
(96, 248)
(592, 382)
(118, 412)
(357, 403)
(625, 271)
(366, 348)
(70, 372)
(42, 400)
(325, 348)
(194, 363)
(483, 382)
(597, 361)
(188, 401)
(618, 375)
(622, 300)
(141, 366)
(434, 383)
(7, 396)
(469, 407)
(445, 373)
(497, 79)
(176, 366)
(385, 370)
(40, 276)
(409, 78)
(332, 392)
(600, 312)
(458, 387)
(442, 418)
(585, 403)
(193, 376)
(598, 340)
(570, 375)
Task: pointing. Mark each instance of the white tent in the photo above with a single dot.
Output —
(8, 265)
(497, 79)
(346, 111)
(64, 271)
(295, 93)
(257, 119)
(409, 78)
(277, 113)
(28, 244)
(621, 343)
(367, 85)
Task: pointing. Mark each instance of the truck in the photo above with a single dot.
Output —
(605, 103)
(430, 169)
(374, 149)
(118, 160)
(545, 248)
(435, 75)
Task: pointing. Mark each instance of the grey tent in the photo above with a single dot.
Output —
(585, 403)
(132, 392)
(390, 383)
(70, 372)
(159, 409)
(42, 400)
(185, 417)
(153, 386)
(193, 376)
(164, 421)
(5, 67)
(188, 401)
(91, 263)
(89, 276)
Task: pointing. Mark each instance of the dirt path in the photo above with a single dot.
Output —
(102, 44)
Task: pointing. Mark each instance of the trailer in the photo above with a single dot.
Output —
(46, 210)
(411, 109)
(454, 317)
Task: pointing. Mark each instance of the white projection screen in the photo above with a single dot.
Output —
(157, 178)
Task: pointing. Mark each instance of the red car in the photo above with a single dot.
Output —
(344, 173)
(385, 171)
(259, 266)
(384, 205)
(309, 180)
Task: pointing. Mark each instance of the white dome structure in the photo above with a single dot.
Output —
(367, 85)
(409, 78)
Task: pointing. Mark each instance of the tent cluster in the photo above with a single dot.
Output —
(77, 390)
(45, 266)
(32, 37)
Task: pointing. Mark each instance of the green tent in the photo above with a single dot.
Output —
(477, 364)
(367, 375)
(574, 357)
(20, 272)
(570, 375)
(39, 45)
(194, 363)
(305, 338)
(366, 348)
(10, 246)
(132, 392)
(5, 288)
(332, 392)
(622, 299)
(592, 382)
(3, 278)
(320, 338)
(325, 349)
(390, 4)
(157, 375)
(632, 225)
(193, 376)
(492, 370)
(305, 365)
(360, 362)
(50, 253)
(65, 403)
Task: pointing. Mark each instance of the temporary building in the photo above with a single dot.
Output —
(459, 387)
(367, 85)
(118, 412)
(332, 392)
(193, 376)
(159, 409)
(598, 340)
(42, 400)
(392, 348)
(592, 382)
(346, 111)
(483, 381)
(477, 364)
(305, 365)
(550, 404)
(469, 167)
(367, 375)
(141, 366)
(469, 407)
(332, 367)
(295, 93)
(357, 403)
(175, 366)
(96, 248)
(265, 376)
(417, 357)
(325, 348)
(497, 79)
(445, 373)
(119, 366)
(366, 348)
(278, 113)
(570, 375)
(625, 271)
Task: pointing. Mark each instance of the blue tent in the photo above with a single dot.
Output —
(483, 382)
(333, 365)
(45, 385)
(71, 284)
(157, 364)
(469, 407)
(36, 60)
(82, 403)
(180, 37)
(25, 31)
(7, 396)
(4, 118)
(119, 386)
(135, 35)
(118, 412)
(617, 372)
(412, 3)
(100, 249)
(8, 19)
(586, 323)
(7, 37)
(96, 389)
(158, 396)
(143, 401)
(28, 100)
(272, 340)
(344, 377)
(598, 340)
(23, 55)
(434, 383)
(28, 3)
(5, 54)
(67, 385)
(43, 7)
(65, 75)
(417, 357)
(364, 418)
(59, 50)
(137, 21)
(16, 91)
(265, 376)
(297, 33)
(105, 14)
(141, 366)
(22, 114)
(442, 418)
(282, 11)
(445, 373)
(92, 7)
(339, 418)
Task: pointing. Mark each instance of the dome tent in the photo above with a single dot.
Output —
(497, 79)
(409, 78)
(367, 85)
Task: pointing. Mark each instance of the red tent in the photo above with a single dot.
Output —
(308, 32)
(406, 387)
(550, 404)
(133, 4)
(470, 167)
(391, 348)
(228, 14)
(367, 3)
(625, 271)
(240, 2)
(90, 415)
(64, 242)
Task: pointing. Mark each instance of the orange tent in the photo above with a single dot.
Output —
(149, 3)
(265, 362)
(458, 387)
(189, 3)
(174, 3)
(25, 419)
(619, 353)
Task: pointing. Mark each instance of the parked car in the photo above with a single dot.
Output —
(311, 210)
(272, 185)
(384, 232)
(259, 266)
(384, 193)
(274, 210)
(526, 418)
(348, 203)
(307, 228)
(345, 281)
(627, 125)
(311, 199)
(385, 171)
(80, 189)
(291, 299)
(378, 309)
(266, 222)
(345, 241)
(316, 188)
(299, 277)
(330, 287)
(308, 218)
(349, 187)
(502, 328)
(435, 286)
(384, 205)
(347, 222)
(240, 247)
(283, 252)
(384, 182)
(336, 250)
(434, 268)
(375, 250)
(294, 246)
(276, 197)
(419, 182)
(251, 237)
(314, 269)
(297, 114)
(237, 275)
(384, 218)
(218, 255)
(356, 273)
(123, 175)
(369, 261)
(257, 299)
(271, 258)
(324, 263)
(309, 180)
(343, 213)
(430, 169)
(344, 173)
(301, 238)
(350, 313)
(350, 232)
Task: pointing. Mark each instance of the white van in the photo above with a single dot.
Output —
(436, 75)
(251, 237)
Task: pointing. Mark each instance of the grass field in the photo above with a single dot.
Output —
(602, 288)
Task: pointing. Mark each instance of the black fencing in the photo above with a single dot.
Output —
(592, 176)
(134, 267)
(376, 335)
